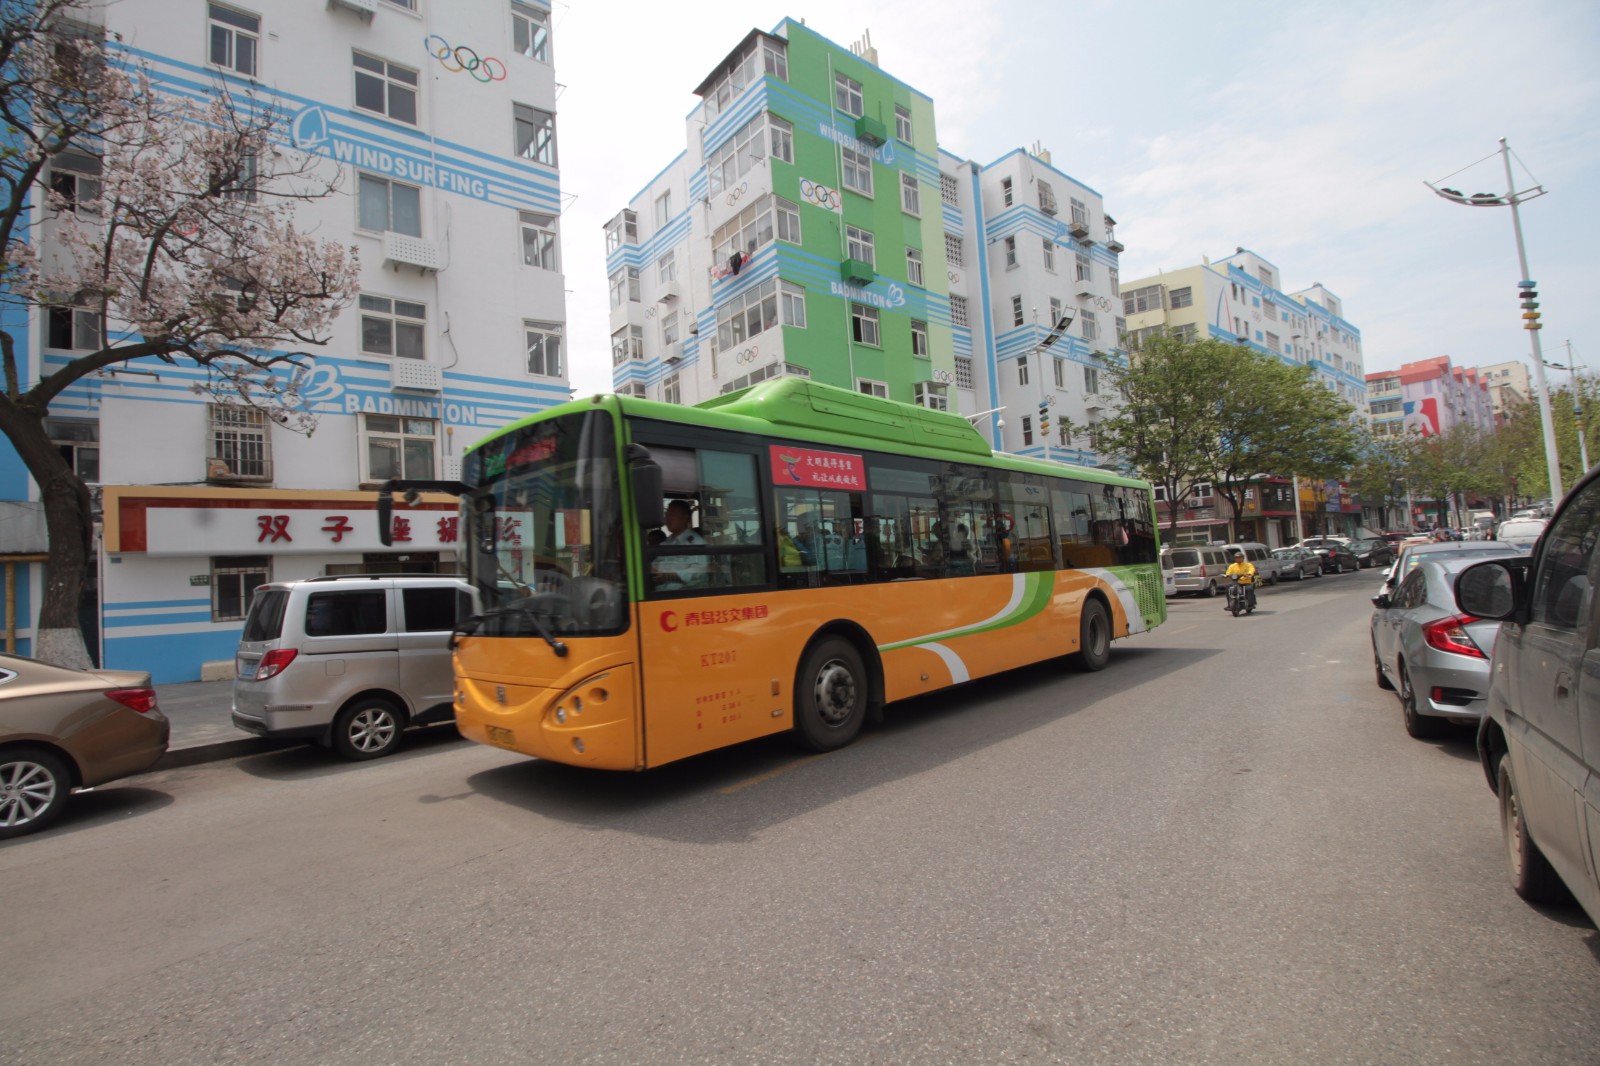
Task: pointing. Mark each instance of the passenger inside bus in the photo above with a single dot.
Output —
(680, 571)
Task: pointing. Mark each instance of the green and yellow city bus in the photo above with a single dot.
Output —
(834, 552)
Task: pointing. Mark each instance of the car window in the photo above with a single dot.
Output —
(429, 610)
(265, 620)
(1185, 558)
(343, 614)
(1413, 590)
(1561, 587)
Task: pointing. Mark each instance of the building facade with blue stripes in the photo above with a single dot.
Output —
(438, 121)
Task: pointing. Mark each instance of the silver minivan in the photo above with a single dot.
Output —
(1198, 568)
(348, 661)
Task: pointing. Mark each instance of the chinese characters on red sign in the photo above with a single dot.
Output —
(823, 470)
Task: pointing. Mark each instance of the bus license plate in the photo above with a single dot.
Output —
(502, 738)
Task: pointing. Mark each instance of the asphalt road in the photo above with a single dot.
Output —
(1223, 848)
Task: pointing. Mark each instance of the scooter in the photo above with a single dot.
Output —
(1239, 598)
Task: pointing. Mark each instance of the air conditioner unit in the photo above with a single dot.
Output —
(364, 8)
(1114, 245)
(871, 130)
(1078, 229)
(669, 292)
(673, 352)
(402, 250)
(1085, 290)
(416, 374)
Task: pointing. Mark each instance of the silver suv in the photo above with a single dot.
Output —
(348, 661)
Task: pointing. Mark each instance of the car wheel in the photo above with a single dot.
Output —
(368, 729)
(1094, 637)
(830, 695)
(1531, 875)
(1418, 726)
(34, 785)
(1377, 668)
(1211, 590)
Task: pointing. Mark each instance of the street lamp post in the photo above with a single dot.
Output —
(1512, 198)
(1571, 368)
(999, 423)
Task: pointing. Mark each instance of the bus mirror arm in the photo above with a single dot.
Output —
(412, 491)
(647, 486)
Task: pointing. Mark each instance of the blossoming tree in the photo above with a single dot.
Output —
(173, 231)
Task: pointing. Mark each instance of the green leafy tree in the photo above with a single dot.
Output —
(1457, 462)
(1379, 476)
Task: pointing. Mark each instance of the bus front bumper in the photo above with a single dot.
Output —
(592, 723)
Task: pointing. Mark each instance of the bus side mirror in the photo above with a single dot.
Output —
(647, 486)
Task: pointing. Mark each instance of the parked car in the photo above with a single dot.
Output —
(1199, 569)
(1260, 557)
(1522, 532)
(1537, 737)
(1335, 553)
(1169, 583)
(388, 636)
(1433, 656)
(63, 729)
(1528, 512)
(1374, 551)
(1298, 563)
(1412, 554)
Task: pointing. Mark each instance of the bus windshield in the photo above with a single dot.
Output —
(544, 525)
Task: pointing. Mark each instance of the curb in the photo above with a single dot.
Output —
(177, 758)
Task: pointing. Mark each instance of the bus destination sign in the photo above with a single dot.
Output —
(818, 469)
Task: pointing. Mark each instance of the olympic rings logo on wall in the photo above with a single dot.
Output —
(738, 194)
(820, 195)
(461, 58)
(748, 356)
(944, 377)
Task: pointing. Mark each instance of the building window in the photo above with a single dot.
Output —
(734, 157)
(1056, 311)
(1058, 367)
(409, 5)
(1011, 252)
(958, 311)
(623, 229)
(386, 88)
(393, 327)
(1141, 300)
(793, 300)
(234, 580)
(1022, 370)
(949, 190)
(1091, 325)
(627, 343)
(1085, 268)
(864, 324)
(1050, 255)
(847, 96)
(919, 338)
(1273, 342)
(530, 31)
(788, 218)
(757, 310)
(1091, 379)
(73, 328)
(902, 123)
(963, 372)
(669, 329)
(1080, 212)
(1027, 429)
(543, 341)
(910, 194)
(1006, 197)
(858, 245)
(397, 447)
(78, 441)
(1183, 297)
(873, 388)
(913, 266)
(953, 250)
(535, 134)
(667, 267)
(75, 178)
(539, 245)
(1016, 311)
(931, 394)
(767, 57)
(782, 139)
(235, 39)
(388, 205)
(671, 392)
(240, 445)
(1047, 197)
(625, 286)
(663, 209)
(857, 171)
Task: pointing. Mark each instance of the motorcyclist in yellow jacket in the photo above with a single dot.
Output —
(1245, 571)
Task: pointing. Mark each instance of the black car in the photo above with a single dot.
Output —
(1334, 552)
(1372, 552)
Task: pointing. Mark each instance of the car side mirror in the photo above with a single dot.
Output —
(1381, 601)
(1489, 590)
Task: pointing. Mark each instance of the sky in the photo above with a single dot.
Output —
(1300, 131)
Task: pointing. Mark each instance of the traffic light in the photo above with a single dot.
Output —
(1530, 305)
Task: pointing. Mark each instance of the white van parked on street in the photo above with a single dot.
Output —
(1268, 568)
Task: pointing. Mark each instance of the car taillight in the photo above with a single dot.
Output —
(142, 700)
(274, 663)
(1450, 634)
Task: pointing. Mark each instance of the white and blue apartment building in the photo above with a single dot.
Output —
(439, 118)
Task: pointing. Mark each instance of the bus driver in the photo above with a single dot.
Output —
(680, 571)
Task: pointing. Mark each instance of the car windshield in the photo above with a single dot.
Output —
(544, 525)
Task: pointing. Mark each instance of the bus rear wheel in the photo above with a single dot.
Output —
(830, 697)
(1094, 637)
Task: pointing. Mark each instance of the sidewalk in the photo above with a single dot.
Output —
(202, 726)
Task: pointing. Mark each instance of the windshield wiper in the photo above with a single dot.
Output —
(474, 623)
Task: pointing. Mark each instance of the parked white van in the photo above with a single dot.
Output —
(349, 661)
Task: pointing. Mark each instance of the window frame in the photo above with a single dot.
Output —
(873, 387)
(848, 95)
(393, 316)
(547, 241)
(249, 571)
(914, 266)
(390, 83)
(534, 120)
(232, 431)
(902, 123)
(858, 166)
(366, 180)
(233, 32)
(919, 340)
(865, 320)
(910, 194)
(549, 332)
(862, 241)
(534, 23)
(366, 435)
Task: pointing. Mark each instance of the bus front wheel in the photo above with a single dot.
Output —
(830, 699)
